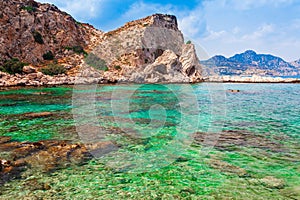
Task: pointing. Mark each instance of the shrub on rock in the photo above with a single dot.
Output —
(13, 66)
(96, 62)
(53, 69)
(48, 56)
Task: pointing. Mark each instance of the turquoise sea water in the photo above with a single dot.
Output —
(250, 140)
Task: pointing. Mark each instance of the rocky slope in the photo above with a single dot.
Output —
(150, 50)
(29, 30)
(249, 63)
(146, 50)
(296, 63)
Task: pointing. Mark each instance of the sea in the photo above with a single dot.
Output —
(171, 141)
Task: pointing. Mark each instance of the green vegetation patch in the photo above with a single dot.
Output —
(48, 56)
(13, 66)
(38, 37)
(96, 62)
(117, 67)
(28, 8)
(77, 49)
(53, 69)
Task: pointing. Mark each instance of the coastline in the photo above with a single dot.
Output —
(39, 79)
(250, 79)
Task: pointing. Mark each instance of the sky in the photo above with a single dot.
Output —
(217, 27)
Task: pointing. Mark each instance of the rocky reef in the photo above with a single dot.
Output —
(45, 156)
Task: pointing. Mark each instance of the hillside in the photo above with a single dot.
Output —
(35, 32)
(296, 63)
(41, 45)
(249, 63)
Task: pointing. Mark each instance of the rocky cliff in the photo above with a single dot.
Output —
(30, 31)
(151, 49)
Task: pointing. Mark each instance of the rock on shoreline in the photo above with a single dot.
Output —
(39, 79)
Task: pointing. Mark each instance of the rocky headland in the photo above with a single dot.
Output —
(41, 45)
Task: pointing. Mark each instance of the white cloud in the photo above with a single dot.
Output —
(295, 25)
(81, 9)
(236, 30)
(250, 4)
(141, 9)
(260, 33)
(193, 24)
(212, 35)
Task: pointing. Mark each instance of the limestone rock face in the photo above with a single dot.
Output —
(150, 50)
(190, 62)
(166, 68)
(29, 30)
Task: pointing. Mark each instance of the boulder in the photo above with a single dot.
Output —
(46, 156)
(29, 69)
(227, 168)
(272, 182)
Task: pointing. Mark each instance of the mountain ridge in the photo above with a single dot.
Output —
(250, 63)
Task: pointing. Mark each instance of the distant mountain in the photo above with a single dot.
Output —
(296, 63)
(250, 63)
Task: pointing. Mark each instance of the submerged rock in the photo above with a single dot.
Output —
(229, 140)
(45, 156)
(10, 170)
(227, 168)
(272, 182)
(38, 115)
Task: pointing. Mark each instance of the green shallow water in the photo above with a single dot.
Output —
(158, 158)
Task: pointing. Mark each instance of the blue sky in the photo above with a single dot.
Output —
(219, 27)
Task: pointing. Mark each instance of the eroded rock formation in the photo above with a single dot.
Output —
(150, 50)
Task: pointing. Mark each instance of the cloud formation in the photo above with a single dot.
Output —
(81, 9)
